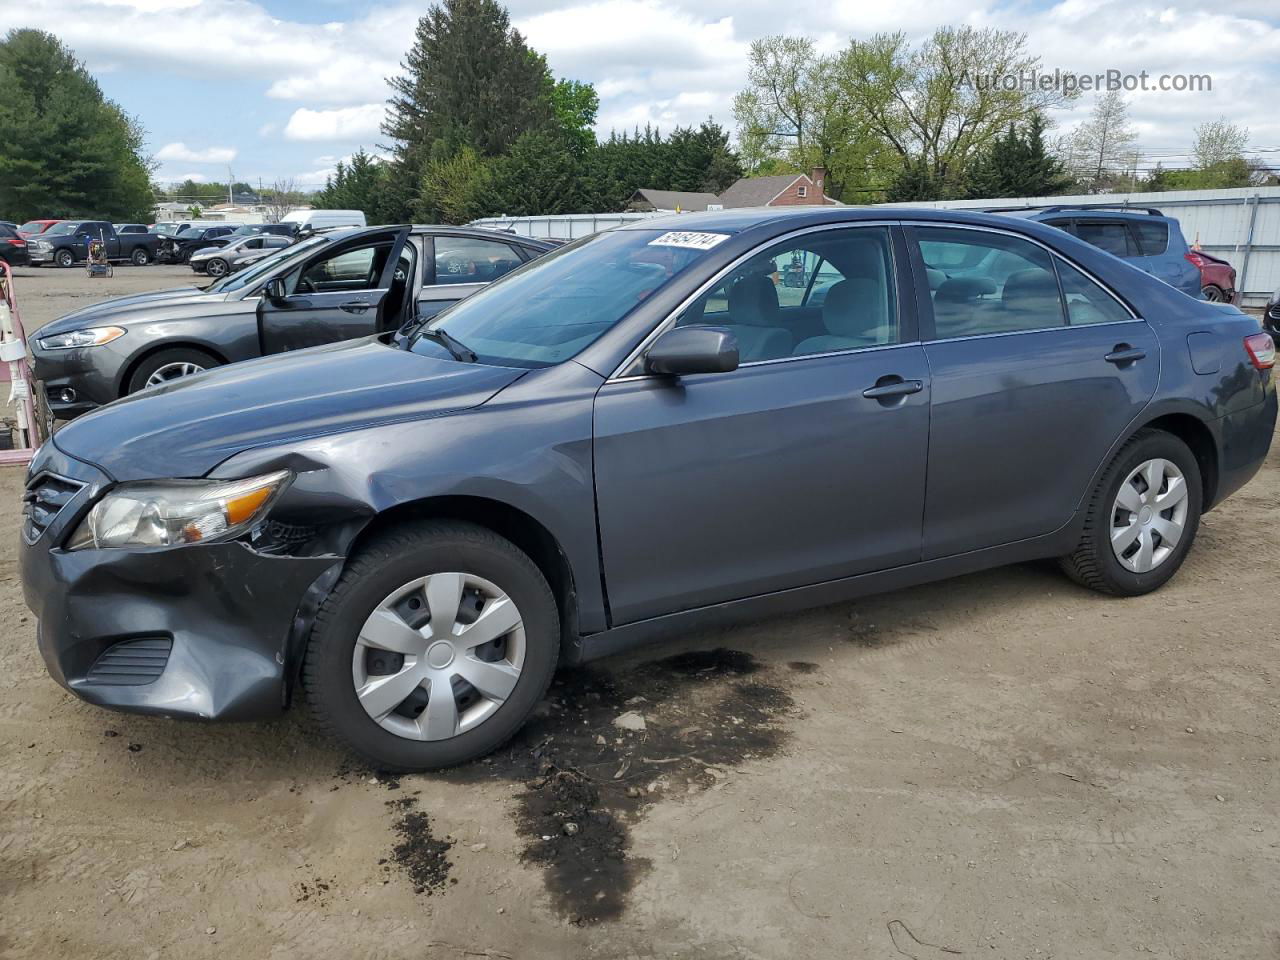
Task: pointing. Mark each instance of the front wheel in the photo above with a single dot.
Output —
(64, 258)
(217, 267)
(140, 257)
(1141, 518)
(169, 365)
(434, 647)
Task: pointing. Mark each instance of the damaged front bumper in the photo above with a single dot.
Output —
(205, 631)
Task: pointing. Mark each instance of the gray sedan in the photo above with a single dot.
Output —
(338, 285)
(217, 261)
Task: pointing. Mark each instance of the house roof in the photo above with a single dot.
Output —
(758, 191)
(675, 199)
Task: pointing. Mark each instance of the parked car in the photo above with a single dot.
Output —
(13, 246)
(216, 260)
(333, 286)
(33, 228)
(1141, 235)
(277, 229)
(309, 221)
(247, 258)
(1271, 316)
(628, 437)
(178, 247)
(122, 228)
(1217, 276)
(67, 243)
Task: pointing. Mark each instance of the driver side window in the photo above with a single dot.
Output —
(355, 269)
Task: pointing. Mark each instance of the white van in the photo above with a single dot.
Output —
(309, 220)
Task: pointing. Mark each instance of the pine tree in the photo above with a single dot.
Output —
(1018, 164)
(357, 185)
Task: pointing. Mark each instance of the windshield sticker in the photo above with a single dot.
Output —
(693, 241)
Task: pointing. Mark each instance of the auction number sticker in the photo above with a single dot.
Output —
(686, 238)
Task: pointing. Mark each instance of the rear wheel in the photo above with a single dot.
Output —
(1141, 518)
(169, 365)
(1214, 293)
(433, 648)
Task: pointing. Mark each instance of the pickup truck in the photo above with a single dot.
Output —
(67, 243)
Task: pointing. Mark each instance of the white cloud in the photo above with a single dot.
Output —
(343, 123)
(181, 153)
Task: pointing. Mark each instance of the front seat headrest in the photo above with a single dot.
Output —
(753, 301)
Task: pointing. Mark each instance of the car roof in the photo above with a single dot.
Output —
(431, 229)
(740, 220)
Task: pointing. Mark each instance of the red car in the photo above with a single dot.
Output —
(33, 228)
(1217, 277)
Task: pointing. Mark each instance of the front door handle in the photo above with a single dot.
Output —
(1123, 355)
(889, 388)
(355, 307)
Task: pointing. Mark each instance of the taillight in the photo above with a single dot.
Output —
(1261, 349)
(1196, 259)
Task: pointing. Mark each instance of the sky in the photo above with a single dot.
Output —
(275, 89)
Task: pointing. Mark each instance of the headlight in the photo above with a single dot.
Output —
(89, 337)
(162, 513)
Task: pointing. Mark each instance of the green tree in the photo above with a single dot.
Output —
(574, 106)
(454, 190)
(355, 185)
(540, 175)
(469, 80)
(1018, 164)
(936, 107)
(66, 150)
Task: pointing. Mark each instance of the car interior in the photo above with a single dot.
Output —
(821, 295)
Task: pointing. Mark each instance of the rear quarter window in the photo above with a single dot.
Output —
(1153, 237)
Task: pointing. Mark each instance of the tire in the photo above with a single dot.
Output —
(217, 267)
(157, 362)
(1094, 563)
(140, 257)
(1214, 294)
(394, 562)
(64, 258)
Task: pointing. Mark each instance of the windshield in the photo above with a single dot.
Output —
(250, 276)
(33, 226)
(66, 226)
(552, 308)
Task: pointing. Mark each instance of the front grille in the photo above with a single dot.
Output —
(131, 662)
(43, 500)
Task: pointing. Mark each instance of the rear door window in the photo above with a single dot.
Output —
(992, 283)
(1112, 236)
(473, 260)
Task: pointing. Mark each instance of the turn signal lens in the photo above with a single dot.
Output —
(1261, 349)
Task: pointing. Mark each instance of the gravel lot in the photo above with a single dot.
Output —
(1000, 765)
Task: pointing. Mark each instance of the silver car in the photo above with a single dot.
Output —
(217, 261)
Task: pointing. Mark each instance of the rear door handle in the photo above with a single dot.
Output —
(894, 388)
(355, 307)
(1124, 354)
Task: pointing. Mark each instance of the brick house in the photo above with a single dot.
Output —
(781, 190)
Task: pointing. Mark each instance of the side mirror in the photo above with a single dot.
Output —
(685, 350)
(275, 290)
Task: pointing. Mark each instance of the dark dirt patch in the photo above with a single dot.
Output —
(586, 779)
(803, 666)
(420, 854)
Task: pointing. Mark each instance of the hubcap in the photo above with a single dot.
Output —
(438, 656)
(216, 268)
(173, 371)
(1149, 515)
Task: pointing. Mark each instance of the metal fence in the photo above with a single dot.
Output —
(1240, 225)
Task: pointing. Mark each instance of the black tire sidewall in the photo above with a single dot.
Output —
(138, 379)
(139, 257)
(1148, 447)
(208, 267)
(329, 682)
(64, 258)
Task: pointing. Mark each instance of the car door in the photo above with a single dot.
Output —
(457, 266)
(805, 464)
(1029, 393)
(336, 294)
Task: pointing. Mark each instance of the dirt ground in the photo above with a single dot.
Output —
(1001, 765)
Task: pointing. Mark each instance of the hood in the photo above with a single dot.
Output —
(107, 310)
(187, 428)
